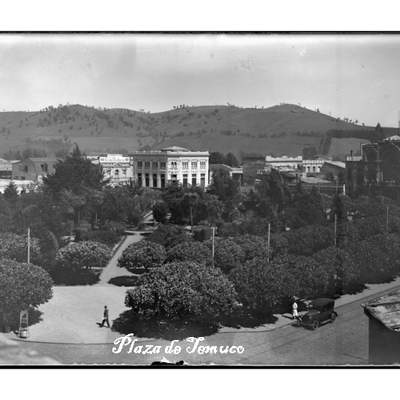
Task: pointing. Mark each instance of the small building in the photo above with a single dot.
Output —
(236, 173)
(33, 168)
(253, 165)
(284, 163)
(157, 168)
(117, 168)
(313, 167)
(333, 171)
(384, 329)
(5, 169)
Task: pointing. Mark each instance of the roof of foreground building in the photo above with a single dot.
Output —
(386, 310)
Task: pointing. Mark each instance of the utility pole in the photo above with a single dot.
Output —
(29, 245)
(387, 218)
(213, 245)
(268, 241)
(335, 230)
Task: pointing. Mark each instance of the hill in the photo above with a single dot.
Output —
(281, 129)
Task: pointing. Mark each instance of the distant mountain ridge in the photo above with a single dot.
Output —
(280, 129)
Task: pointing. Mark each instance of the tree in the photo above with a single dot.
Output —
(227, 254)
(160, 211)
(183, 291)
(257, 286)
(21, 286)
(216, 158)
(305, 209)
(11, 194)
(142, 255)
(169, 235)
(81, 262)
(252, 246)
(231, 160)
(15, 247)
(76, 181)
(309, 239)
(346, 273)
(190, 251)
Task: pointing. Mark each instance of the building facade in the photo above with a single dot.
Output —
(117, 168)
(284, 163)
(33, 169)
(158, 168)
(311, 167)
(5, 169)
(384, 328)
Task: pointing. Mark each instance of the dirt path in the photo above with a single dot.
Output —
(112, 270)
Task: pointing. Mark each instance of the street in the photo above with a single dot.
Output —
(344, 342)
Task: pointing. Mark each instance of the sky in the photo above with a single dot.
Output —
(353, 76)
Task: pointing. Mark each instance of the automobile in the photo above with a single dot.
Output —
(320, 311)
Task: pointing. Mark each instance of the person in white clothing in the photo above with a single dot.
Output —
(295, 313)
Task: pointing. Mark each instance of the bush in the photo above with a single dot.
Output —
(21, 286)
(15, 247)
(81, 262)
(340, 263)
(190, 251)
(227, 254)
(308, 240)
(377, 258)
(169, 235)
(142, 255)
(252, 246)
(109, 238)
(184, 291)
(257, 286)
(266, 288)
(160, 211)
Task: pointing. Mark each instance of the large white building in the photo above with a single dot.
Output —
(117, 168)
(157, 168)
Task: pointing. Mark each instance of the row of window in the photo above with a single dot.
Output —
(174, 178)
(116, 172)
(174, 164)
(154, 164)
(154, 181)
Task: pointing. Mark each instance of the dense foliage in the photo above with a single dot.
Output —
(15, 247)
(169, 235)
(227, 254)
(21, 286)
(190, 251)
(81, 262)
(183, 291)
(142, 255)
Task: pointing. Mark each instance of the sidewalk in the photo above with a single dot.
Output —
(112, 269)
(285, 319)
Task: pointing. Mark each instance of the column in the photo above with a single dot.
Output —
(158, 179)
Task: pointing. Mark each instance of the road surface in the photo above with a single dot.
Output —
(343, 342)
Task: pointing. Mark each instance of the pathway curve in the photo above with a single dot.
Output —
(112, 269)
(71, 314)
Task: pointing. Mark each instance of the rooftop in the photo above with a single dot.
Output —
(175, 148)
(385, 309)
(339, 164)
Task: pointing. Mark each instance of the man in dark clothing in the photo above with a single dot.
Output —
(105, 318)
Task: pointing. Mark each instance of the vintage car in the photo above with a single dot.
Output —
(320, 311)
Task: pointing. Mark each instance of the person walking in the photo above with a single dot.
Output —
(105, 318)
(295, 314)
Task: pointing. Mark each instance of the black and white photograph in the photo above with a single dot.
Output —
(199, 199)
